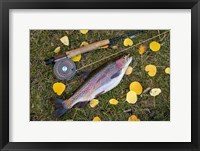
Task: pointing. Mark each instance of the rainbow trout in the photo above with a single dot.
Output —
(103, 81)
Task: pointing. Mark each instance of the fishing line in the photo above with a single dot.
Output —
(121, 51)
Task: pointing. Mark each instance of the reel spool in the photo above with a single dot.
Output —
(64, 69)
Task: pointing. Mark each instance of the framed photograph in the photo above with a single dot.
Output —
(99, 75)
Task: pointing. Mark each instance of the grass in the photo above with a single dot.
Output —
(42, 45)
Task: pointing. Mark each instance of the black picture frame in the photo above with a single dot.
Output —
(5, 5)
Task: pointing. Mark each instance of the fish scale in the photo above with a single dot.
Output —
(94, 81)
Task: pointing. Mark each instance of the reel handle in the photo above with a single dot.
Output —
(49, 61)
(80, 50)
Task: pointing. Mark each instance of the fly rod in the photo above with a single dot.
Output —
(90, 47)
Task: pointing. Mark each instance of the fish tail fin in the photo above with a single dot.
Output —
(60, 107)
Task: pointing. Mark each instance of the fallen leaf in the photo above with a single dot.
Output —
(84, 44)
(113, 101)
(96, 119)
(155, 91)
(129, 70)
(114, 47)
(84, 32)
(58, 88)
(131, 97)
(133, 118)
(146, 90)
(154, 46)
(57, 50)
(151, 69)
(136, 87)
(65, 40)
(128, 42)
(106, 46)
(94, 102)
(76, 58)
(142, 49)
(167, 70)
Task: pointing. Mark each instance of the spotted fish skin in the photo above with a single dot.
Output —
(103, 81)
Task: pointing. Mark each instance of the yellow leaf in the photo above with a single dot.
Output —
(133, 118)
(129, 70)
(128, 42)
(155, 91)
(106, 46)
(131, 97)
(96, 119)
(76, 58)
(94, 103)
(151, 69)
(58, 88)
(167, 70)
(136, 87)
(154, 46)
(84, 31)
(65, 40)
(113, 101)
(142, 49)
(84, 44)
(57, 50)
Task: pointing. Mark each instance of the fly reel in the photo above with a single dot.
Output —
(64, 69)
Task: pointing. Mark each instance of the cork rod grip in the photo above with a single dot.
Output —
(84, 49)
(87, 48)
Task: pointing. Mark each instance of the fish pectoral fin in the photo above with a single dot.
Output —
(116, 74)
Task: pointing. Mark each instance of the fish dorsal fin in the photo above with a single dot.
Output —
(116, 74)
